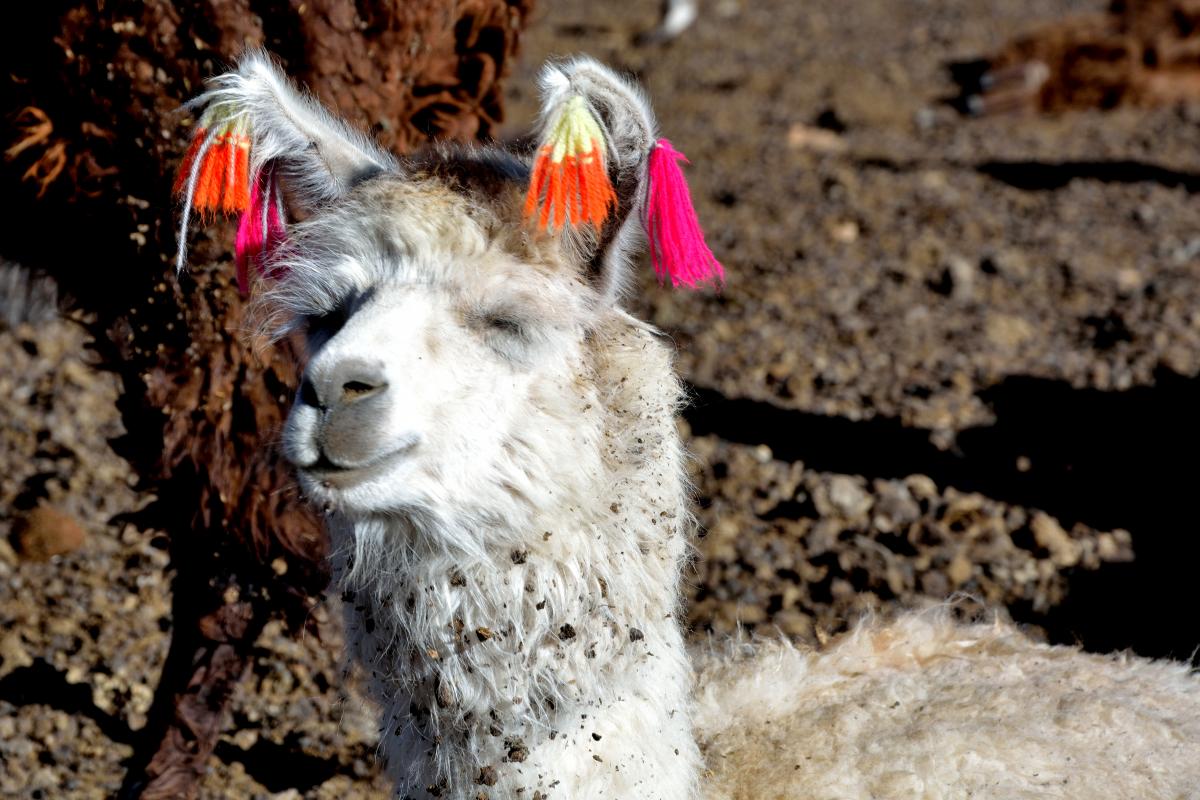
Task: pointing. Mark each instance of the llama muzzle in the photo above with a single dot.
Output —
(341, 409)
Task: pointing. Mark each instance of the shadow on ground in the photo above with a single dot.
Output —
(1106, 459)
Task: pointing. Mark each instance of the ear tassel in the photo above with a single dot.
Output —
(260, 229)
(221, 147)
(570, 186)
(570, 183)
(677, 247)
(214, 178)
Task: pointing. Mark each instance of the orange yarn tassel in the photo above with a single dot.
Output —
(214, 178)
(208, 190)
(237, 184)
(573, 196)
(185, 169)
(570, 182)
(221, 147)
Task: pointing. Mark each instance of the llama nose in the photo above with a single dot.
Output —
(350, 381)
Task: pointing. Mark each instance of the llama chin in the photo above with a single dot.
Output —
(495, 440)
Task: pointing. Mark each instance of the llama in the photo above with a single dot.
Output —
(492, 439)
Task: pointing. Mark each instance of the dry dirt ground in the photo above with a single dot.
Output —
(953, 355)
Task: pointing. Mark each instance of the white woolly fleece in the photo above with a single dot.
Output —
(551, 660)
(922, 707)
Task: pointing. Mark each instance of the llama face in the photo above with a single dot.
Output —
(448, 334)
(435, 328)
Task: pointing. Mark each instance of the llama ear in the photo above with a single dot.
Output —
(601, 180)
(259, 142)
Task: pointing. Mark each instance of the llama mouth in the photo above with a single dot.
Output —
(331, 475)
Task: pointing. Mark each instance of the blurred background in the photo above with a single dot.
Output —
(956, 355)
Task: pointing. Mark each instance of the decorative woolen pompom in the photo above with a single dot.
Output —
(677, 247)
(570, 180)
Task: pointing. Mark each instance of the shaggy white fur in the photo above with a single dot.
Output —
(923, 707)
(494, 441)
(533, 642)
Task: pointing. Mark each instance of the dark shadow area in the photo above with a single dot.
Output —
(279, 767)
(1107, 459)
(875, 448)
(41, 684)
(1050, 175)
(1111, 460)
(970, 77)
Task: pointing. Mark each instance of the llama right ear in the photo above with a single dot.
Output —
(601, 179)
(260, 145)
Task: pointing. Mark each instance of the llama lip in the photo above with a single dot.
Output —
(333, 475)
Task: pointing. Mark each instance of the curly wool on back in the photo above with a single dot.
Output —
(923, 706)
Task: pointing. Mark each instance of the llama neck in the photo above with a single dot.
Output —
(548, 659)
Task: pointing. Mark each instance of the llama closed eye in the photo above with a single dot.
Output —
(505, 325)
(510, 338)
(510, 335)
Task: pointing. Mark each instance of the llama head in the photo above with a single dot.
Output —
(448, 333)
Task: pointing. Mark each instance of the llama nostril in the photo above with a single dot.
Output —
(347, 381)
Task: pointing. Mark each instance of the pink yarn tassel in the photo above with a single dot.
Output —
(677, 248)
(252, 243)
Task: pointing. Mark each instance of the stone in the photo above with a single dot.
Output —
(848, 497)
(1064, 551)
(43, 533)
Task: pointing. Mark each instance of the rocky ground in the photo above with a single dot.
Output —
(954, 355)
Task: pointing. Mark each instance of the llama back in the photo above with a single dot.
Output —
(926, 707)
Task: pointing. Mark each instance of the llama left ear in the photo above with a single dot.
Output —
(602, 180)
(260, 145)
